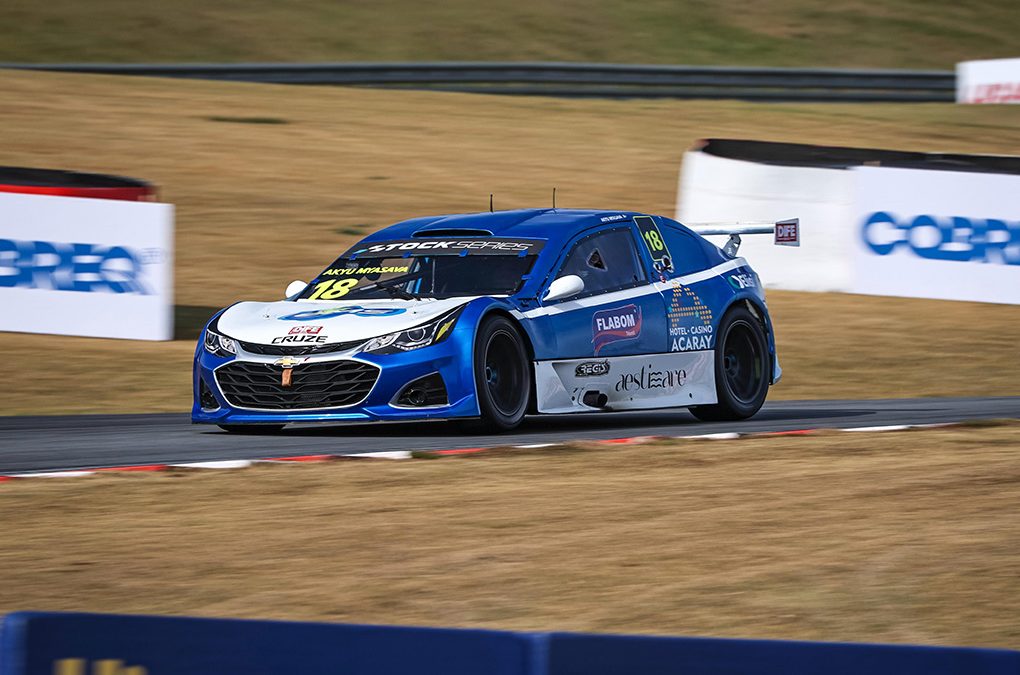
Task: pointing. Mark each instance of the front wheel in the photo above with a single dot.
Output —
(502, 374)
(741, 368)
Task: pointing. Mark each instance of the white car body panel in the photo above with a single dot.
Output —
(645, 381)
(268, 322)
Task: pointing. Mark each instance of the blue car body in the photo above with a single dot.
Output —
(645, 343)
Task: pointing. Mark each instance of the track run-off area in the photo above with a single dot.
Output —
(53, 443)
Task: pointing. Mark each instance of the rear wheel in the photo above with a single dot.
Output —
(502, 374)
(251, 429)
(741, 368)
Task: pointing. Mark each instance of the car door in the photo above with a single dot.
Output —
(619, 312)
(612, 339)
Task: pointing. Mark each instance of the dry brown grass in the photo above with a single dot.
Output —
(904, 537)
(261, 204)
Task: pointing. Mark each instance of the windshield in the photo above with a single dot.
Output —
(420, 276)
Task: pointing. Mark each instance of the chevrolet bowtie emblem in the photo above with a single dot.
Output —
(288, 363)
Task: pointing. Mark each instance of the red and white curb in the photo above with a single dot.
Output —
(409, 454)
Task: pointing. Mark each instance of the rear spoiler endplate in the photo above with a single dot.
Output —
(785, 232)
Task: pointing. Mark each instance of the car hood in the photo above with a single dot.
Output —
(328, 322)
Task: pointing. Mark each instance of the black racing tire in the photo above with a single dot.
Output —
(742, 368)
(502, 375)
(251, 429)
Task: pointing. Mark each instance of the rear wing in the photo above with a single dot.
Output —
(786, 232)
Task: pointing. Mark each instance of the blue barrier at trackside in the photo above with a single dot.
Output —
(93, 644)
(73, 644)
(576, 654)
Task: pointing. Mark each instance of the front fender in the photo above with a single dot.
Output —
(475, 312)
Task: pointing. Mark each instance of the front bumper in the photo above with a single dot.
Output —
(395, 371)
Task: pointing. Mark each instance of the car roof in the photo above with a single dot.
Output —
(557, 226)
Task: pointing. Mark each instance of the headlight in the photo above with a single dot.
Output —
(219, 345)
(424, 335)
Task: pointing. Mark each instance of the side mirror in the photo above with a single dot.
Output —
(564, 287)
(293, 288)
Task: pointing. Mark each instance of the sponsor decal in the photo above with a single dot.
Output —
(690, 320)
(787, 233)
(592, 369)
(299, 339)
(380, 269)
(344, 310)
(996, 92)
(652, 378)
(742, 281)
(613, 325)
(86, 268)
(692, 339)
(451, 246)
(305, 330)
(956, 238)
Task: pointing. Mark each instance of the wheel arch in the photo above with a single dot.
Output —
(476, 312)
(504, 312)
(758, 310)
(496, 310)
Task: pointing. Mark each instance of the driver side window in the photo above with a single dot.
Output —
(606, 261)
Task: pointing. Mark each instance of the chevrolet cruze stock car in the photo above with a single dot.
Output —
(492, 316)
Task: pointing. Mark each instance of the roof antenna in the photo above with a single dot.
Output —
(490, 202)
(554, 198)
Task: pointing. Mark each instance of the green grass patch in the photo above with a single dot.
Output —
(844, 33)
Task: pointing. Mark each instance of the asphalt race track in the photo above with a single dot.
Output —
(90, 441)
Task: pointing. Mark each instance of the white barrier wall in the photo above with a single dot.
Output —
(874, 230)
(93, 267)
(719, 189)
(991, 81)
(937, 234)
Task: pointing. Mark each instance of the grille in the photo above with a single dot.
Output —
(313, 385)
(298, 350)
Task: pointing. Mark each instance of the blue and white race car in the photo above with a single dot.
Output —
(496, 315)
